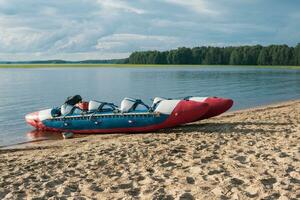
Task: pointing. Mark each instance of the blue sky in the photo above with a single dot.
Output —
(98, 29)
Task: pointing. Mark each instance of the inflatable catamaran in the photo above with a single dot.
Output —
(132, 116)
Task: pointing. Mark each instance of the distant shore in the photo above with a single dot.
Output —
(134, 65)
(247, 154)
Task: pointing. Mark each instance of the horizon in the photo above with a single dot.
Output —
(115, 59)
(103, 30)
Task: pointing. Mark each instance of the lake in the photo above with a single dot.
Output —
(27, 90)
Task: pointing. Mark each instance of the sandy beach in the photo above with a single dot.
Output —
(248, 154)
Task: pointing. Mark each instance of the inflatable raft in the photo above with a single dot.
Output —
(132, 116)
(216, 105)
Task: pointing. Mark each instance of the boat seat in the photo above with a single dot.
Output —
(94, 105)
(130, 104)
(126, 104)
(97, 106)
(67, 109)
(156, 101)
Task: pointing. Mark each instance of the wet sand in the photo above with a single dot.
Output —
(249, 154)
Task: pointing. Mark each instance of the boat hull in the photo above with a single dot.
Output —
(183, 112)
(216, 105)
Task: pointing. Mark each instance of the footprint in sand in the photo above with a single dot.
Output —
(134, 192)
(186, 196)
(125, 186)
(268, 182)
(241, 159)
(215, 171)
(209, 159)
(68, 189)
(235, 182)
(53, 183)
(3, 193)
(251, 191)
(96, 188)
(283, 155)
(161, 194)
(190, 180)
(272, 196)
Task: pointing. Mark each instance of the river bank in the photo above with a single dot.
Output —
(248, 154)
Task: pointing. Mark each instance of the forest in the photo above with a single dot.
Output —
(232, 55)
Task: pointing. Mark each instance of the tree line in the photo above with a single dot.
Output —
(239, 55)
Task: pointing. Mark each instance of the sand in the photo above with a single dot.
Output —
(249, 154)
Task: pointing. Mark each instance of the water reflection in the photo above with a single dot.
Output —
(37, 135)
(43, 135)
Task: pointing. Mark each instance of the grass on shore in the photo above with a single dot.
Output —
(134, 65)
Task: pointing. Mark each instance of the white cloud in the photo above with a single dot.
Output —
(131, 42)
(119, 5)
(199, 6)
(21, 39)
(91, 55)
(83, 29)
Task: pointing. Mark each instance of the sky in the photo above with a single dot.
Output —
(107, 29)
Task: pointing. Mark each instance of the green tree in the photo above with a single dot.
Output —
(263, 57)
(241, 55)
(226, 54)
(236, 57)
(213, 56)
(183, 56)
(297, 55)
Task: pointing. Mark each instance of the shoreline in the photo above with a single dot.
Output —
(69, 65)
(22, 145)
(246, 154)
(265, 106)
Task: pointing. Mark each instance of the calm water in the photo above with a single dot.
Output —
(26, 90)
